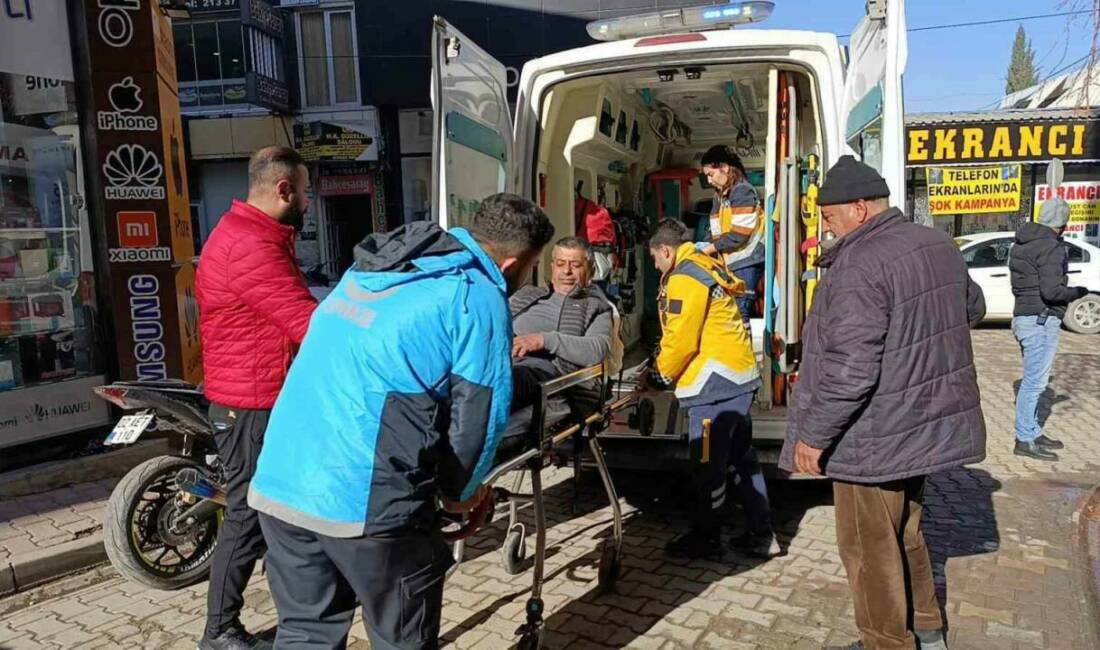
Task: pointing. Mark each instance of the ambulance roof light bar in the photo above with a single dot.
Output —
(688, 19)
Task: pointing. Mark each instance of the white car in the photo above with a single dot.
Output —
(986, 256)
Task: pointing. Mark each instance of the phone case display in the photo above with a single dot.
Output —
(42, 310)
(11, 369)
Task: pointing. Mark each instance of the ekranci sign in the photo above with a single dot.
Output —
(998, 142)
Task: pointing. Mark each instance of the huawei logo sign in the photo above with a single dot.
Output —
(36, 413)
(133, 172)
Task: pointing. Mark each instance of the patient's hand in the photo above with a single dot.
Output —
(527, 344)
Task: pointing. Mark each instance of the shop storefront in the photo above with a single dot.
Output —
(51, 346)
(96, 243)
(348, 185)
(986, 172)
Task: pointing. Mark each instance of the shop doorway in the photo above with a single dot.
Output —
(349, 220)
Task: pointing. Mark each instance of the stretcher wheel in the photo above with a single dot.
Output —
(530, 640)
(513, 552)
(609, 566)
(642, 417)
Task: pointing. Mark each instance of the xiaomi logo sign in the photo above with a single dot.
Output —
(137, 229)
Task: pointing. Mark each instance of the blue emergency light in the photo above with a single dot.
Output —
(689, 19)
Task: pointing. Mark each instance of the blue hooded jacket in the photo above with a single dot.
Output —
(400, 391)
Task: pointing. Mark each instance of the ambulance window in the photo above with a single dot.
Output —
(620, 132)
(607, 120)
(864, 128)
(635, 137)
(477, 160)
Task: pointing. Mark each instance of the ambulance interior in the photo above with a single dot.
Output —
(632, 142)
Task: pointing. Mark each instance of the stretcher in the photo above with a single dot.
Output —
(555, 419)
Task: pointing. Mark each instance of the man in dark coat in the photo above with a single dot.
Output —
(1039, 263)
(887, 395)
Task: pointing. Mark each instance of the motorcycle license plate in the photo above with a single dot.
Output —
(129, 429)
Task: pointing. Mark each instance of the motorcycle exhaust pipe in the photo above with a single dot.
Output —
(193, 481)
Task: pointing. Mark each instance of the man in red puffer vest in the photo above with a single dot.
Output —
(254, 309)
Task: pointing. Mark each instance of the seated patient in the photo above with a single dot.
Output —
(561, 328)
(558, 330)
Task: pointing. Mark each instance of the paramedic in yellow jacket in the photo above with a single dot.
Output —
(706, 354)
(736, 222)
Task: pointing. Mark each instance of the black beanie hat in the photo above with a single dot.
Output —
(849, 180)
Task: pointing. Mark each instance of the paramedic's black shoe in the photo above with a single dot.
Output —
(696, 544)
(234, 638)
(1034, 450)
(1049, 443)
(760, 545)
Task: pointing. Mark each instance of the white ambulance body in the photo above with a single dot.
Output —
(612, 116)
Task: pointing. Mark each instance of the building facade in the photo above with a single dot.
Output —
(311, 100)
(982, 172)
(96, 243)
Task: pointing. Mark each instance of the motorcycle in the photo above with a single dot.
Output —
(161, 524)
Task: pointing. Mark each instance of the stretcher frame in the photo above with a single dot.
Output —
(534, 460)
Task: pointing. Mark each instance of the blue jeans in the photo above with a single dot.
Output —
(1039, 344)
(750, 275)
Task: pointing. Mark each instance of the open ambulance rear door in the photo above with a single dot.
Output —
(472, 146)
(872, 111)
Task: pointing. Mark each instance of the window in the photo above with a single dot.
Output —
(620, 130)
(1077, 255)
(864, 127)
(210, 62)
(50, 329)
(416, 186)
(988, 254)
(330, 70)
(607, 120)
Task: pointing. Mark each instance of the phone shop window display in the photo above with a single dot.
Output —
(46, 283)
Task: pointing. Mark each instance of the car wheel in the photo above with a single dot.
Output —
(1083, 316)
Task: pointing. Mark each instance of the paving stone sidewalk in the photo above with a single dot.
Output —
(47, 520)
(1002, 535)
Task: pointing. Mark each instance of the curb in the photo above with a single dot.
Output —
(35, 568)
(1088, 541)
(59, 474)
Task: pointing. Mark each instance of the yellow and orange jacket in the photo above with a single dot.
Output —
(737, 226)
(706, 348)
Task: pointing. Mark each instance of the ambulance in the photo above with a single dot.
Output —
(623, 123)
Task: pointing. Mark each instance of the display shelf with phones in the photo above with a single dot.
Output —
(50, 355)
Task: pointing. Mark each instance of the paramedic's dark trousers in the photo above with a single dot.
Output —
(750, 275)
(239, 435)
(316, 582)
(882, 547)
(721, 440)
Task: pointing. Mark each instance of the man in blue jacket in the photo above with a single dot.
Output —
(398, 397)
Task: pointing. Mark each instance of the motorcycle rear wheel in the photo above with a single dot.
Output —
(137, 532)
